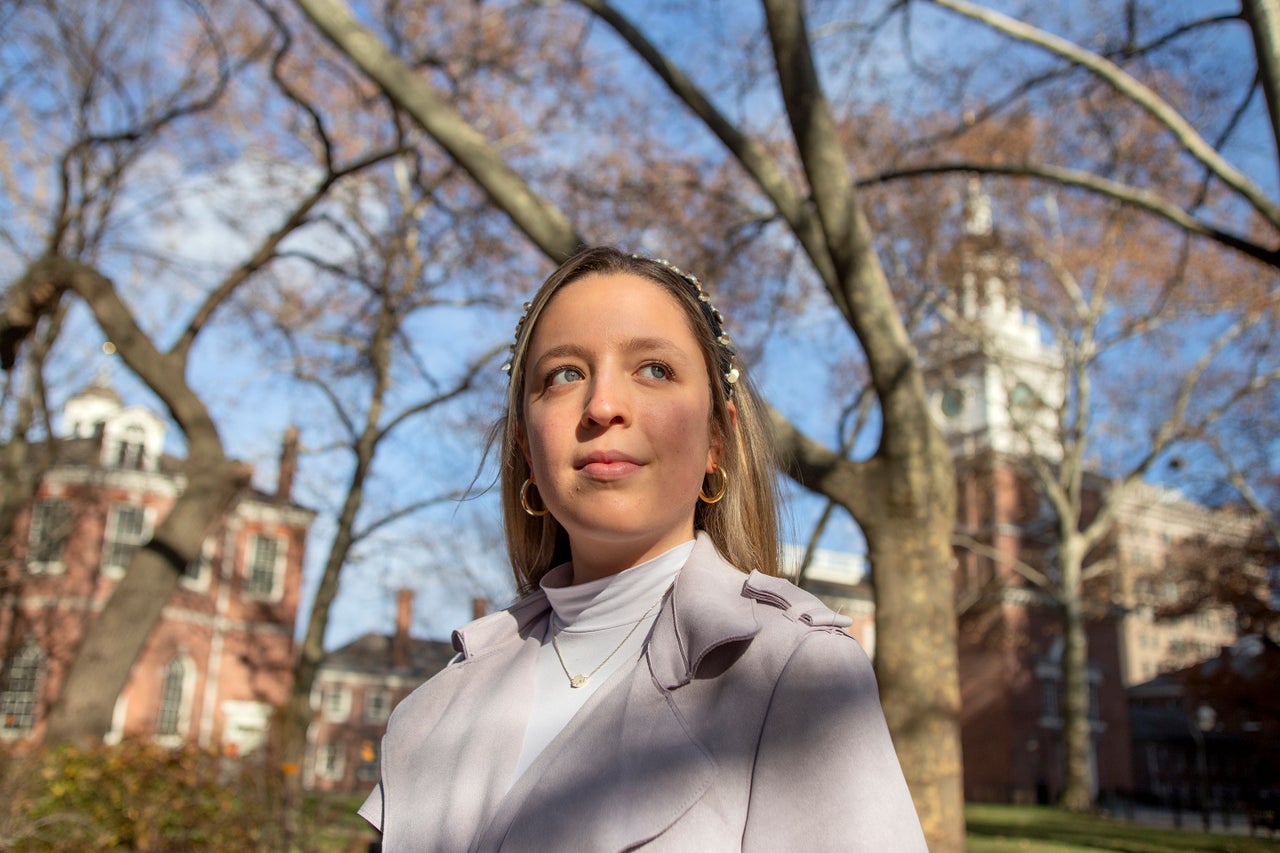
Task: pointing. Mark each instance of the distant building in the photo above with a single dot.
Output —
(1154, 523)
(220, 659)
(355, 690)
(1208, 733)
(994, 386)
(841, 580)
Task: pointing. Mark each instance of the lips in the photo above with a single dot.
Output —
(608, 465)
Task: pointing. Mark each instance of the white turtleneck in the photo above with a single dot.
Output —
(590, 621)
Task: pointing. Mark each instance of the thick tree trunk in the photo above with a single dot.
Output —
(915, 665)
(114, 639)
(1077, 749)
(906, 507)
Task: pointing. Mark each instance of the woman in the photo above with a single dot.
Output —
(657, 686)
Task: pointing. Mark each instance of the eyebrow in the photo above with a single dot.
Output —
(630, 345)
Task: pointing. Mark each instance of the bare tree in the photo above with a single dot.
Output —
(903, 497)
(393, 267)
(124, 103)
(1085, 430)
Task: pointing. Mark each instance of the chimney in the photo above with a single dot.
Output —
(404, 617)
(288, 464)
(479, 607)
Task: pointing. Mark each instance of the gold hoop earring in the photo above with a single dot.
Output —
(524, 499)
(724, 486)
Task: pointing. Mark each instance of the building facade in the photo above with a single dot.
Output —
(355, 690)
(996, 387)
(220, 659)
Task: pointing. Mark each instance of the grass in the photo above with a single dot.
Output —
(1036, 829)
(992, 829)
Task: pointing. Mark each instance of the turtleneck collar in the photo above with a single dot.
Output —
(612, 601)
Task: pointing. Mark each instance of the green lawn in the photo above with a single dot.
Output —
(992, 829)
(1031, 829)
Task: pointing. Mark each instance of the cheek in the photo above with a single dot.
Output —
(686, 432)
(540, 442)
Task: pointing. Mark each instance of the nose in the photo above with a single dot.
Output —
(607, 401)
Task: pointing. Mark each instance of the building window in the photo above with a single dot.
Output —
(1050, 703)
(196, 574)
(337, 704)
(377, 706)
(21, 688)
(126, 530)
(952, 401)
(266, 554)
(331, 761)
(131, 450)
(50, 526)
(1022, 399)
(173, 694)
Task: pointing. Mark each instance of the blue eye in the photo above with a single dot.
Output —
(561, 375)
(656, 370)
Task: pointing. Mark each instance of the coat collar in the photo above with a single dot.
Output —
(708, 606)
(706, 609)
(495, 630)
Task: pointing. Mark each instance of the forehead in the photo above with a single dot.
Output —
(612, 306)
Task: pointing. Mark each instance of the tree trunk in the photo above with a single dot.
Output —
(297, 713)
(905, 504)
(915, 665)
(1077, 752)
(114, 639)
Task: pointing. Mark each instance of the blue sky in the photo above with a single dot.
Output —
(452, 552)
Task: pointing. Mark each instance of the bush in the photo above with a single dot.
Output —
(136, 796)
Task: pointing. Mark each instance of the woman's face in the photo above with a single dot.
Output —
(617, 417)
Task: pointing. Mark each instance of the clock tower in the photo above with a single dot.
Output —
(993, 382)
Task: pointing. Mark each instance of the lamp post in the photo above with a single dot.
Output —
(1204, 723)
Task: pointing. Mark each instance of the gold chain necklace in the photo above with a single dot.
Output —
(576, 681)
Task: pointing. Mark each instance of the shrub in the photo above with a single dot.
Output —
(138, 796)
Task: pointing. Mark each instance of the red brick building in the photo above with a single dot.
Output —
(355, 690)
(221, 657)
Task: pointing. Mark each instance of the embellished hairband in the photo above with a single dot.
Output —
(715, 320)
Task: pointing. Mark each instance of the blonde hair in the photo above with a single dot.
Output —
(743, 526)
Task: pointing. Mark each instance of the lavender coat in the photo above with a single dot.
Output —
(751, 722)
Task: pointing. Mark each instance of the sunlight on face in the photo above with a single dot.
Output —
(617, 413)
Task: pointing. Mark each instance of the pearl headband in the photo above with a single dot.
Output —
(715, 320)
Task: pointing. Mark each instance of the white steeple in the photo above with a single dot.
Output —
(993, 382)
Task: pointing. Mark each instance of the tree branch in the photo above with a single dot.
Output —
(1137, 92)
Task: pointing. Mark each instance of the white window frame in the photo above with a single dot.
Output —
(130, 449)
(182, 720)
(35, 528)
(26, 700)
(277, 580)
(383, 713)
(331, 762)
(335, 703)
(204, 568)
(111, 537)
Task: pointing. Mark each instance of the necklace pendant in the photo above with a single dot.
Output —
(578, 680)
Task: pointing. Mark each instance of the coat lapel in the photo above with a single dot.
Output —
(453, 756)
(621, 773)
(626, 767)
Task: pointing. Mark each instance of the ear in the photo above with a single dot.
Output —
(716, 452)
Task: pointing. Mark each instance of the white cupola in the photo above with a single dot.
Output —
(131, 436)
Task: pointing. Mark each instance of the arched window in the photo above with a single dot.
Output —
(22, 673)
(173, 693)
